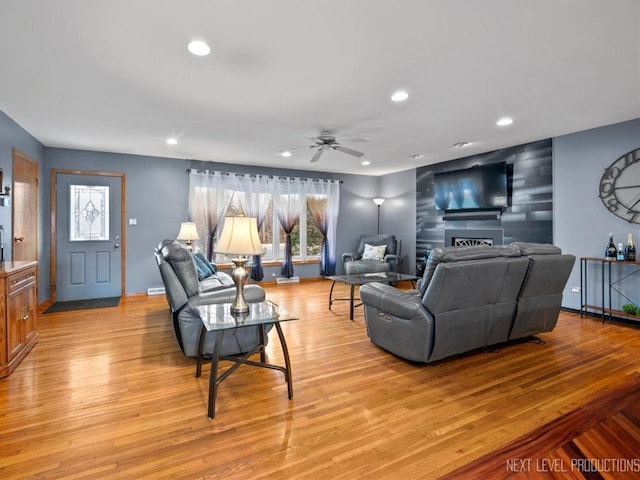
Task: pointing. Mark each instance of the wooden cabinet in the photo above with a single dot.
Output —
(18, 313)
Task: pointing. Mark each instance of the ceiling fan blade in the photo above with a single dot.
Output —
(316, 156)
(355, 140)
(355, 153)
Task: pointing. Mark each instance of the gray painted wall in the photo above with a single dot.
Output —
(12, 136)
(581, 222)
(397, 213)
(157, 196)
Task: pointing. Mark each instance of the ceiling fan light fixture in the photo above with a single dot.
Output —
(399, 96)
(199, 48)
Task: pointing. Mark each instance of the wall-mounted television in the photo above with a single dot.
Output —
(482, 187)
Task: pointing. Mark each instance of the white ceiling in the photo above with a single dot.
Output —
(115, 75)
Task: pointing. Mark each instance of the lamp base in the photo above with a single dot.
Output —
(239, 306)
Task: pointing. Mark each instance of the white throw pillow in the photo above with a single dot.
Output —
(374, 252)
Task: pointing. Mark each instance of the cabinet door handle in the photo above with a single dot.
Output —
(26, 317)
(19, 239)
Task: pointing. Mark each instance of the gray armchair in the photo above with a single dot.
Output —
(357, 262)
(185, 291)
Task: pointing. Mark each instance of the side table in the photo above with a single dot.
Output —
(608, 285)
(217, 318)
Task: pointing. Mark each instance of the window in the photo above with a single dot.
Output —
(308, 207)
(305, 237)
(88, 213)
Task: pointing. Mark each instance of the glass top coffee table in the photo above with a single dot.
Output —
(217, 318)
(358, 279)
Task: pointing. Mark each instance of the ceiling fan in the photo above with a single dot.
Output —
(326, 140)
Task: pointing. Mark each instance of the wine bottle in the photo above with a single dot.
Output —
(630, 249)
(610, 251)
(620, 254)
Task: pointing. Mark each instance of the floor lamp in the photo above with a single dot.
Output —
(378, 201)
(240, 237)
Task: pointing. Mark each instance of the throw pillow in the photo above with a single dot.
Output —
(374, 252)
(207, 264)
(201, 268)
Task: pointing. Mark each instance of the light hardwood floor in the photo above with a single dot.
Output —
(107, 394)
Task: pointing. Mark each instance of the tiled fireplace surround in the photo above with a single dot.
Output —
(458, 237)
(473, 236)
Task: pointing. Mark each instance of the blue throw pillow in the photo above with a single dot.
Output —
(203, 271)
(206, 263)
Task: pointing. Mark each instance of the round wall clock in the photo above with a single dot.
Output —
(620, 187)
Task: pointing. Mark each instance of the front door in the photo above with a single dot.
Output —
(88, 236)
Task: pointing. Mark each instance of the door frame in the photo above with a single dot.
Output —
(15, 153)
(123, 243)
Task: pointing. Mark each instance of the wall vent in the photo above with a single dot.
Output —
(287, 280)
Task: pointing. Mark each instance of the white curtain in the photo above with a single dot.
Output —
(289, 198)
(208, 202)
(324, 202)
(211, 192)
(254, 199)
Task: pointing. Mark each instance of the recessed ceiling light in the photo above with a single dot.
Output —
(172, 141)
(199, 48)
(286, 154)
(399, 96)
(503, 122)
(460, 144)
(366, 162)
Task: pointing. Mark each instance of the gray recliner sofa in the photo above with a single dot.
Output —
(469, 298)
(185, 291)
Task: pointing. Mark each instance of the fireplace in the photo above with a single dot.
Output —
(459, 237)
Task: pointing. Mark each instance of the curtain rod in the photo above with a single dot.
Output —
(189, 170)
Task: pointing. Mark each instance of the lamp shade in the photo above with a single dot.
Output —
(240, 237)
(188, 231)
(378, 201)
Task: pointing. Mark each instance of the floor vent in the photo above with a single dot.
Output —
(155, 291)
(288, 280)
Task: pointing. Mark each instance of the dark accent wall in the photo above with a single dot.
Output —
(529, 217)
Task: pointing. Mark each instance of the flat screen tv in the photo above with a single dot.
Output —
(482, 187)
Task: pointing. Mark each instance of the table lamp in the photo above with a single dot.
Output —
(240, 237)
(188, 233)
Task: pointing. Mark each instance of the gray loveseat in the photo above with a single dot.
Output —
(469, 298)
(185, 290)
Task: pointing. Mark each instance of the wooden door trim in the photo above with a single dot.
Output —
(123, 243)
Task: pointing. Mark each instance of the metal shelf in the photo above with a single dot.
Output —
(605, 265)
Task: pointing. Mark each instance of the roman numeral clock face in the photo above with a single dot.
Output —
(620, 187)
